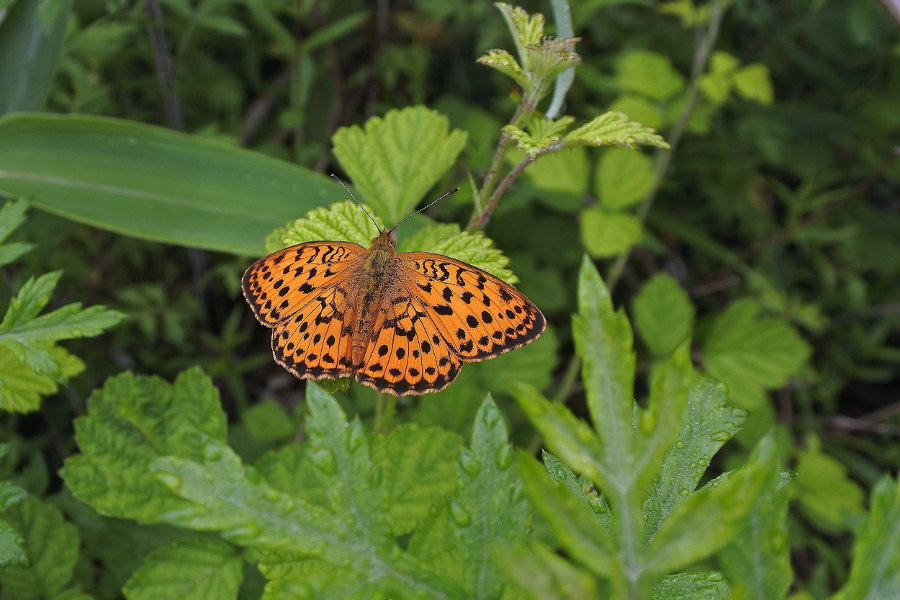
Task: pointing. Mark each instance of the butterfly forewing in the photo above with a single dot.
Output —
(480, 315)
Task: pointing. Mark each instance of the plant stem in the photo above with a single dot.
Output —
(384, 412)
(702, 48)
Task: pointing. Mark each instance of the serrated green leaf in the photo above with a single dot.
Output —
(826, 495)
(663, 314)
(615, 129)
(606, 233)
(749, 353)
(192, 569)
(12, 546)
(130, 422)
(650, 74)
(30, 299)
(623, 178)
(758, 562)
(572, 521)
(754, 83)
(709, 423)
(395, 160)
(566, 171)
(51, 547)
(526, 29)
(289, 470)
(340, 222)
(418, 469)
(474, 248)
(693, 586)
(690, 15)
(711, 517)
(20, 387)
(716, 87)
(489, 504)
(541, 136)
(541, 574)
(504, 62)
(875, 572)
(723, 63)
(579, 487)
(603, 340)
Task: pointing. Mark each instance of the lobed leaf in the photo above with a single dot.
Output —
(606, 233)
(624, 178)
(693, 586)
(615, 129)
(649, 74)
(51, 549)
(504, 62)
(540, 574)
(189, 569)
(395, 160)
(342, 222)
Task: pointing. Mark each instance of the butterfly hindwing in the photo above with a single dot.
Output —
(479, 315)
(408, 354)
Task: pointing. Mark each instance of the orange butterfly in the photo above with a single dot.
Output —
(399, 323)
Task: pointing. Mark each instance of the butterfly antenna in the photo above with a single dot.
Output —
(338, 179)
(429, 205)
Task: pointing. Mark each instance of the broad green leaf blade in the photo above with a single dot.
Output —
(708, 425)
(418, 470)
(694, 586)
(51, 546)
(754, 83)
(573, 523)
(603, 340)
(153, 183)
(130, 422)
(663, 314)
(747, 352)
(875, 572)
(190, 569)
(540, 574)
(624, 178)
(826, 495)
(712, 516)
(12, 547)
(608, 233)
(21, 387)
(650, 74)
(758, 562)
(341, 222)
(12, 214)
(268, 421)
(395, 160)
(489, 505)
(29, 51)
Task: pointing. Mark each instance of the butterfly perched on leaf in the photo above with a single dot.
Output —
(402, 323)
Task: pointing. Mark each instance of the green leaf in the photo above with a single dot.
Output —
(541, 136)
(12, 214)
(650, 74)
(154, 183)
(130, 422)
(504, 62)
(340, 222)
(418, 470)
(754, 83)
(624, 178)
(21, 387)
(750, 353)
(573, 523)
(51, 547)
(716, 87)
(488, 506)
(709, 423)
(603, 341)
(712, 516)
(395, 160)
(526, 29)
(566, 171)
(693, 586)
(289, 470)
(875, 572)
(615, 129)
(29, 53)
(663, 314)
(638, 108)
(579, 487)
(192, 569)
(826, 495)
(605, 233)
(758, 562)
(541, 574)
(267, 421)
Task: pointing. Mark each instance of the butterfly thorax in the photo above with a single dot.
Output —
(380, 257)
